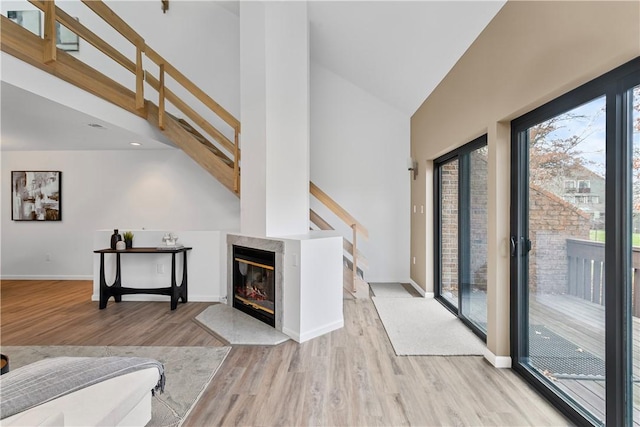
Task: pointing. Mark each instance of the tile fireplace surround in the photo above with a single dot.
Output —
(308, 281)
(276, 246)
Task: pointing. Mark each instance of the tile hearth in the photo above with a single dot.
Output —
(237, 328)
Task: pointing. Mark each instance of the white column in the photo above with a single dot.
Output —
(274, 82)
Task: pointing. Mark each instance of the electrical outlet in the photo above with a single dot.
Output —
(160, 268)
(414, 260)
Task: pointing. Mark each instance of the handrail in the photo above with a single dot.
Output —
(117, 23)
(190, 112)
(28, 47)
(193, 89)
(338, 210)
(345, 216)
(90, 37)
(54, 13)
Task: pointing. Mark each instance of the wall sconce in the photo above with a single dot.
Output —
(412, 165)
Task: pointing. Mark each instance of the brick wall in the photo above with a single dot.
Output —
(479, 218)
(449, 236)
(478, 222)
(551, 222)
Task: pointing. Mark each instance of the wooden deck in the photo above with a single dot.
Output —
(582, 322)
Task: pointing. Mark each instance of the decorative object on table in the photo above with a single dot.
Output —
(121, 245)
(170, 239)
(128, 239)
(115, 238)
(36, 196)
(4, 364)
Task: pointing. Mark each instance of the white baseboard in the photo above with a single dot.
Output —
(306, 336)
(44, 277)
(500, 362)
(420, 290)
(293, 335)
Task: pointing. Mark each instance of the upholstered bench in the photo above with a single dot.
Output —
(94, 397)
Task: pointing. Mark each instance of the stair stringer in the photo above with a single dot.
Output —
(193, 148)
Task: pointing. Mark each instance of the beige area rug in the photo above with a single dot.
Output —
(423, 327)
(188, 371)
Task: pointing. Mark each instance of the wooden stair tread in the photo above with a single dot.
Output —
(204, 141)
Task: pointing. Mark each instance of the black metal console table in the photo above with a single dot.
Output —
(117, 290)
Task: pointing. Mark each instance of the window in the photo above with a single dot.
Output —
(584, 186)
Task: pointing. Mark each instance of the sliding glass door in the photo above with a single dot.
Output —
(461, 227)
(571, 246)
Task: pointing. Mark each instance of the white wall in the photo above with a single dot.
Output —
(162, 190)
(359, 147)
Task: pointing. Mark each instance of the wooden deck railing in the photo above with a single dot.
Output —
(52, 13)
(585, 259)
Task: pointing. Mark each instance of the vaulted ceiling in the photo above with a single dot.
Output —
(397, 51)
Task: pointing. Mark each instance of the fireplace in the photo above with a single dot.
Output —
(253, 283)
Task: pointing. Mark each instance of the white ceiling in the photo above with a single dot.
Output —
(33, 123)
(396, 50)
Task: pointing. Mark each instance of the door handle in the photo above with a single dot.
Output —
(526, 244)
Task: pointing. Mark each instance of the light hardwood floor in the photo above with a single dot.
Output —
(346, 378)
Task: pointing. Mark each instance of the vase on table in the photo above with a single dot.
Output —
(115, 238)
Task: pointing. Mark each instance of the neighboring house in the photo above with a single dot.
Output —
(584, 189)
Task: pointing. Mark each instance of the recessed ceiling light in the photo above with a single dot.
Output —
(96, 125)
(136, 144)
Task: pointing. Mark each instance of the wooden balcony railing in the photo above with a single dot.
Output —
(585, 261)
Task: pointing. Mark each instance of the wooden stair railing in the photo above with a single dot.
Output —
(222, 161)
(347, 218)
(54, 13)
